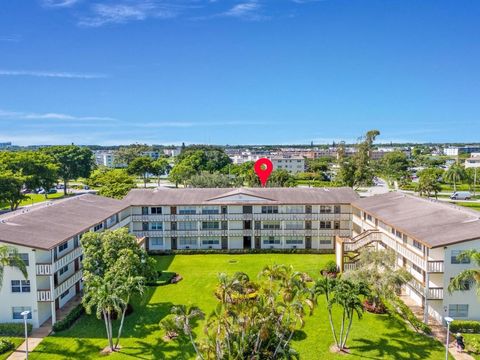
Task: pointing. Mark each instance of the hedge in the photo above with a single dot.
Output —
(14, 329)
(6, 345)
(240, 251)
(465, 326)
(68, 320)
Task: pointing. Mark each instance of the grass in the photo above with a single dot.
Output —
(17, 341)
(468, 338)
(373, 337)
(35, 198)
(471, 205)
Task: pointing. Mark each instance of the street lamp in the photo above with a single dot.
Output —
(25, 315)
(448, 320)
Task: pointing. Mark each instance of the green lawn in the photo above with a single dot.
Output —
(471, 205)
(36, 198)
(373, 337)
(468, 339)
(16, 341)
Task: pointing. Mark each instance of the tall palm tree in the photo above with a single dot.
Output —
(469, 275)
(9, 257)
(455, 174)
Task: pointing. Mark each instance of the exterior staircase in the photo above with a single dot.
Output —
(347, 250)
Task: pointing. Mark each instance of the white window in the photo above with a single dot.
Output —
(325, 224)
(63, 270)
(210, 242)
(271, 240)
(187, 241)
(294, 225)
(156, 241)
(269, 209)
(455, 260)
(156, 210)
(210, 225)
(298, 240)
(98, 227)
(20, 286)
(156, 226)
(187, 210)
(417, 244)
(458, 310)
(17, 312)
(271, 225)
(111, 220)
(24, 257)
(324, 209)
(210, 210)
(187, 225)
(294, 209)
(62, 247)
(325, 242)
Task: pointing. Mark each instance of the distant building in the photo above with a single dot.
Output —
(293, 164)
(473, 161)
(455, 151)
(173, 152)
(5, 145)
(105, 158)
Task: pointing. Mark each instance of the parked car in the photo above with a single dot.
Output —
(461, 195)
(52, 191)
(60, 186)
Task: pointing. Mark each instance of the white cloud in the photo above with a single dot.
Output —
(51, 74)
(246, 11)
(10, 38)
(120, 13)
(59, 3)
(50, 116)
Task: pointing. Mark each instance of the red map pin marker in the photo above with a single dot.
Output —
(263, 167)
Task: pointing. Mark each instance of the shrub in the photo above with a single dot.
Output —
(465, 326)
(68, 321)
(6, 345)
(331, 267)
(406, 313)
(161, 278)
(14, 329)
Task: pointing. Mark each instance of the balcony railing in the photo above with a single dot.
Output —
(44, 269)
(44, 295)
(435, 293)
(435, 266)
(68, 258)
(240, 217)
(68, 283)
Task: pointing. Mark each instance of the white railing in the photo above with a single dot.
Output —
(68, 283)
(44, 269)
(361, 241)
(67, 259)
(44, 295)
(255, 216)
(435, 294)
(122, 223)
(435, 266)
(349, 266)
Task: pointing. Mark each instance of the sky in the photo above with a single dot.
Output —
(238, 71)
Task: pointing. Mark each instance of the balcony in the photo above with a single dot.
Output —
(432, 293)
(68, 283)
(435, 293)
(44, 295)
(44, 269)
(241, 217)
(67, 258)
(436, 266)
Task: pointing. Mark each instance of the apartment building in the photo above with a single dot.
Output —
(253, 218)
(473, 161)
(293, 164)
(47, 237)
(427, 236)
(458, 150)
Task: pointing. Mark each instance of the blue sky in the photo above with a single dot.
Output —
(238, 72)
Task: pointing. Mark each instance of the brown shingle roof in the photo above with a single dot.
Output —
(45, 227)
(212, 196)
(432, 222)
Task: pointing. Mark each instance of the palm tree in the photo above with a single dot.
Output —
(455, 174)
(9, 257)
(469, 275)
(183, 317)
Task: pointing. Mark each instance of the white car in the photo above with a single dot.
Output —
(461, 195)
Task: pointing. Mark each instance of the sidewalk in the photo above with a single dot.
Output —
(34, 339)
(439, 331)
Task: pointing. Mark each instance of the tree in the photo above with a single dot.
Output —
(181, 173)
(281, 178)
(253, 320)
(376, 268)
(141, 166)
(114, 268)
(40, 170)
(210, 180)
(207, 158)
(11, 189)
(73, 161)
(348, 296)
(114, 183)
(9, 257)
(394, 166)
(455, 174)
(126, 154)
(160, 167)
(428, 182)
(460, 281)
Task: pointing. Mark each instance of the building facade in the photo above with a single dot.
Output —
(426, 237)
(47, 237)
(255, 218)
(292, 164)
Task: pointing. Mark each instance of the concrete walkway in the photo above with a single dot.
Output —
(439, 331)
(34, 339)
